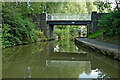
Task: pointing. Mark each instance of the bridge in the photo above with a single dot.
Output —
(46, 21)
(66, 19)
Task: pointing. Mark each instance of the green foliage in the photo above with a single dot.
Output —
(111, 24)
(32, 8)
(73, 30)
(91, 7)
(95, 34)
(6, 37)
(17, 28)
(62, 32)
(41, 36)
(103, 6)
(70, 7)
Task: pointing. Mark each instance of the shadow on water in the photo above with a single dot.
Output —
(56, 59)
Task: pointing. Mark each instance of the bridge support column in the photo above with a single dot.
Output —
(94, 21)
(89, 28)
(51, 32)
(95, 17)
(43, 24)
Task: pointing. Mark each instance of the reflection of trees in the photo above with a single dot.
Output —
(22, 51)
(19, 58)
(30, 61)
(68, 45)
(63, 45)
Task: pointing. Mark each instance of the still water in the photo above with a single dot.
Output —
(56, 59)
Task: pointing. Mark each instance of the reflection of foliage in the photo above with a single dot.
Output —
(66, 35)
(63, 45)
(67, 45)
(23, 57)
(26, 50)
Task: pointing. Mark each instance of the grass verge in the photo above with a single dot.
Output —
(98, 35)
(95, 34)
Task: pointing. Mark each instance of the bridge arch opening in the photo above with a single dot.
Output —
(65, 31)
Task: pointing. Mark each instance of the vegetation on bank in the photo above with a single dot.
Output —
(17, 28)
(111, 24)
(95, 34)
(98, 35)
(111, 27)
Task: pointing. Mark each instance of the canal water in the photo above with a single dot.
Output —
(56, 59)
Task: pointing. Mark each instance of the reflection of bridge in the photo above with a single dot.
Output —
(93, 60)
(47, 21)
(41, 62)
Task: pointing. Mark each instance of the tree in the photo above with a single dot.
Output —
(103, 6)
(16, 28)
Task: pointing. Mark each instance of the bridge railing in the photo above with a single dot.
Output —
(68, 16)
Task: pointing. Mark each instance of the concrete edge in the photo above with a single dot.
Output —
(110, 51)
(101, 47)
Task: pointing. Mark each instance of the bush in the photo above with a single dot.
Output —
(41, 36)
(111, 23)
(16, 27)
(62, 32)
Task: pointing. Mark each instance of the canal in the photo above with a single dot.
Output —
(56, 59)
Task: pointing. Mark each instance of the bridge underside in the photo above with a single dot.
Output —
(69, 22)
(64, 22)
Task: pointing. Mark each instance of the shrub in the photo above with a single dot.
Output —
(16, 27)
(111, 23)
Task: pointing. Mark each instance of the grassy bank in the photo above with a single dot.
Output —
(99, 36)
(95, 34)
(111, 28)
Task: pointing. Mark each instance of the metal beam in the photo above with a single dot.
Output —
(69, 22)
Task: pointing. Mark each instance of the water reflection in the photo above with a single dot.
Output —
(41, 60)
(67, 46)
(94, 74)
